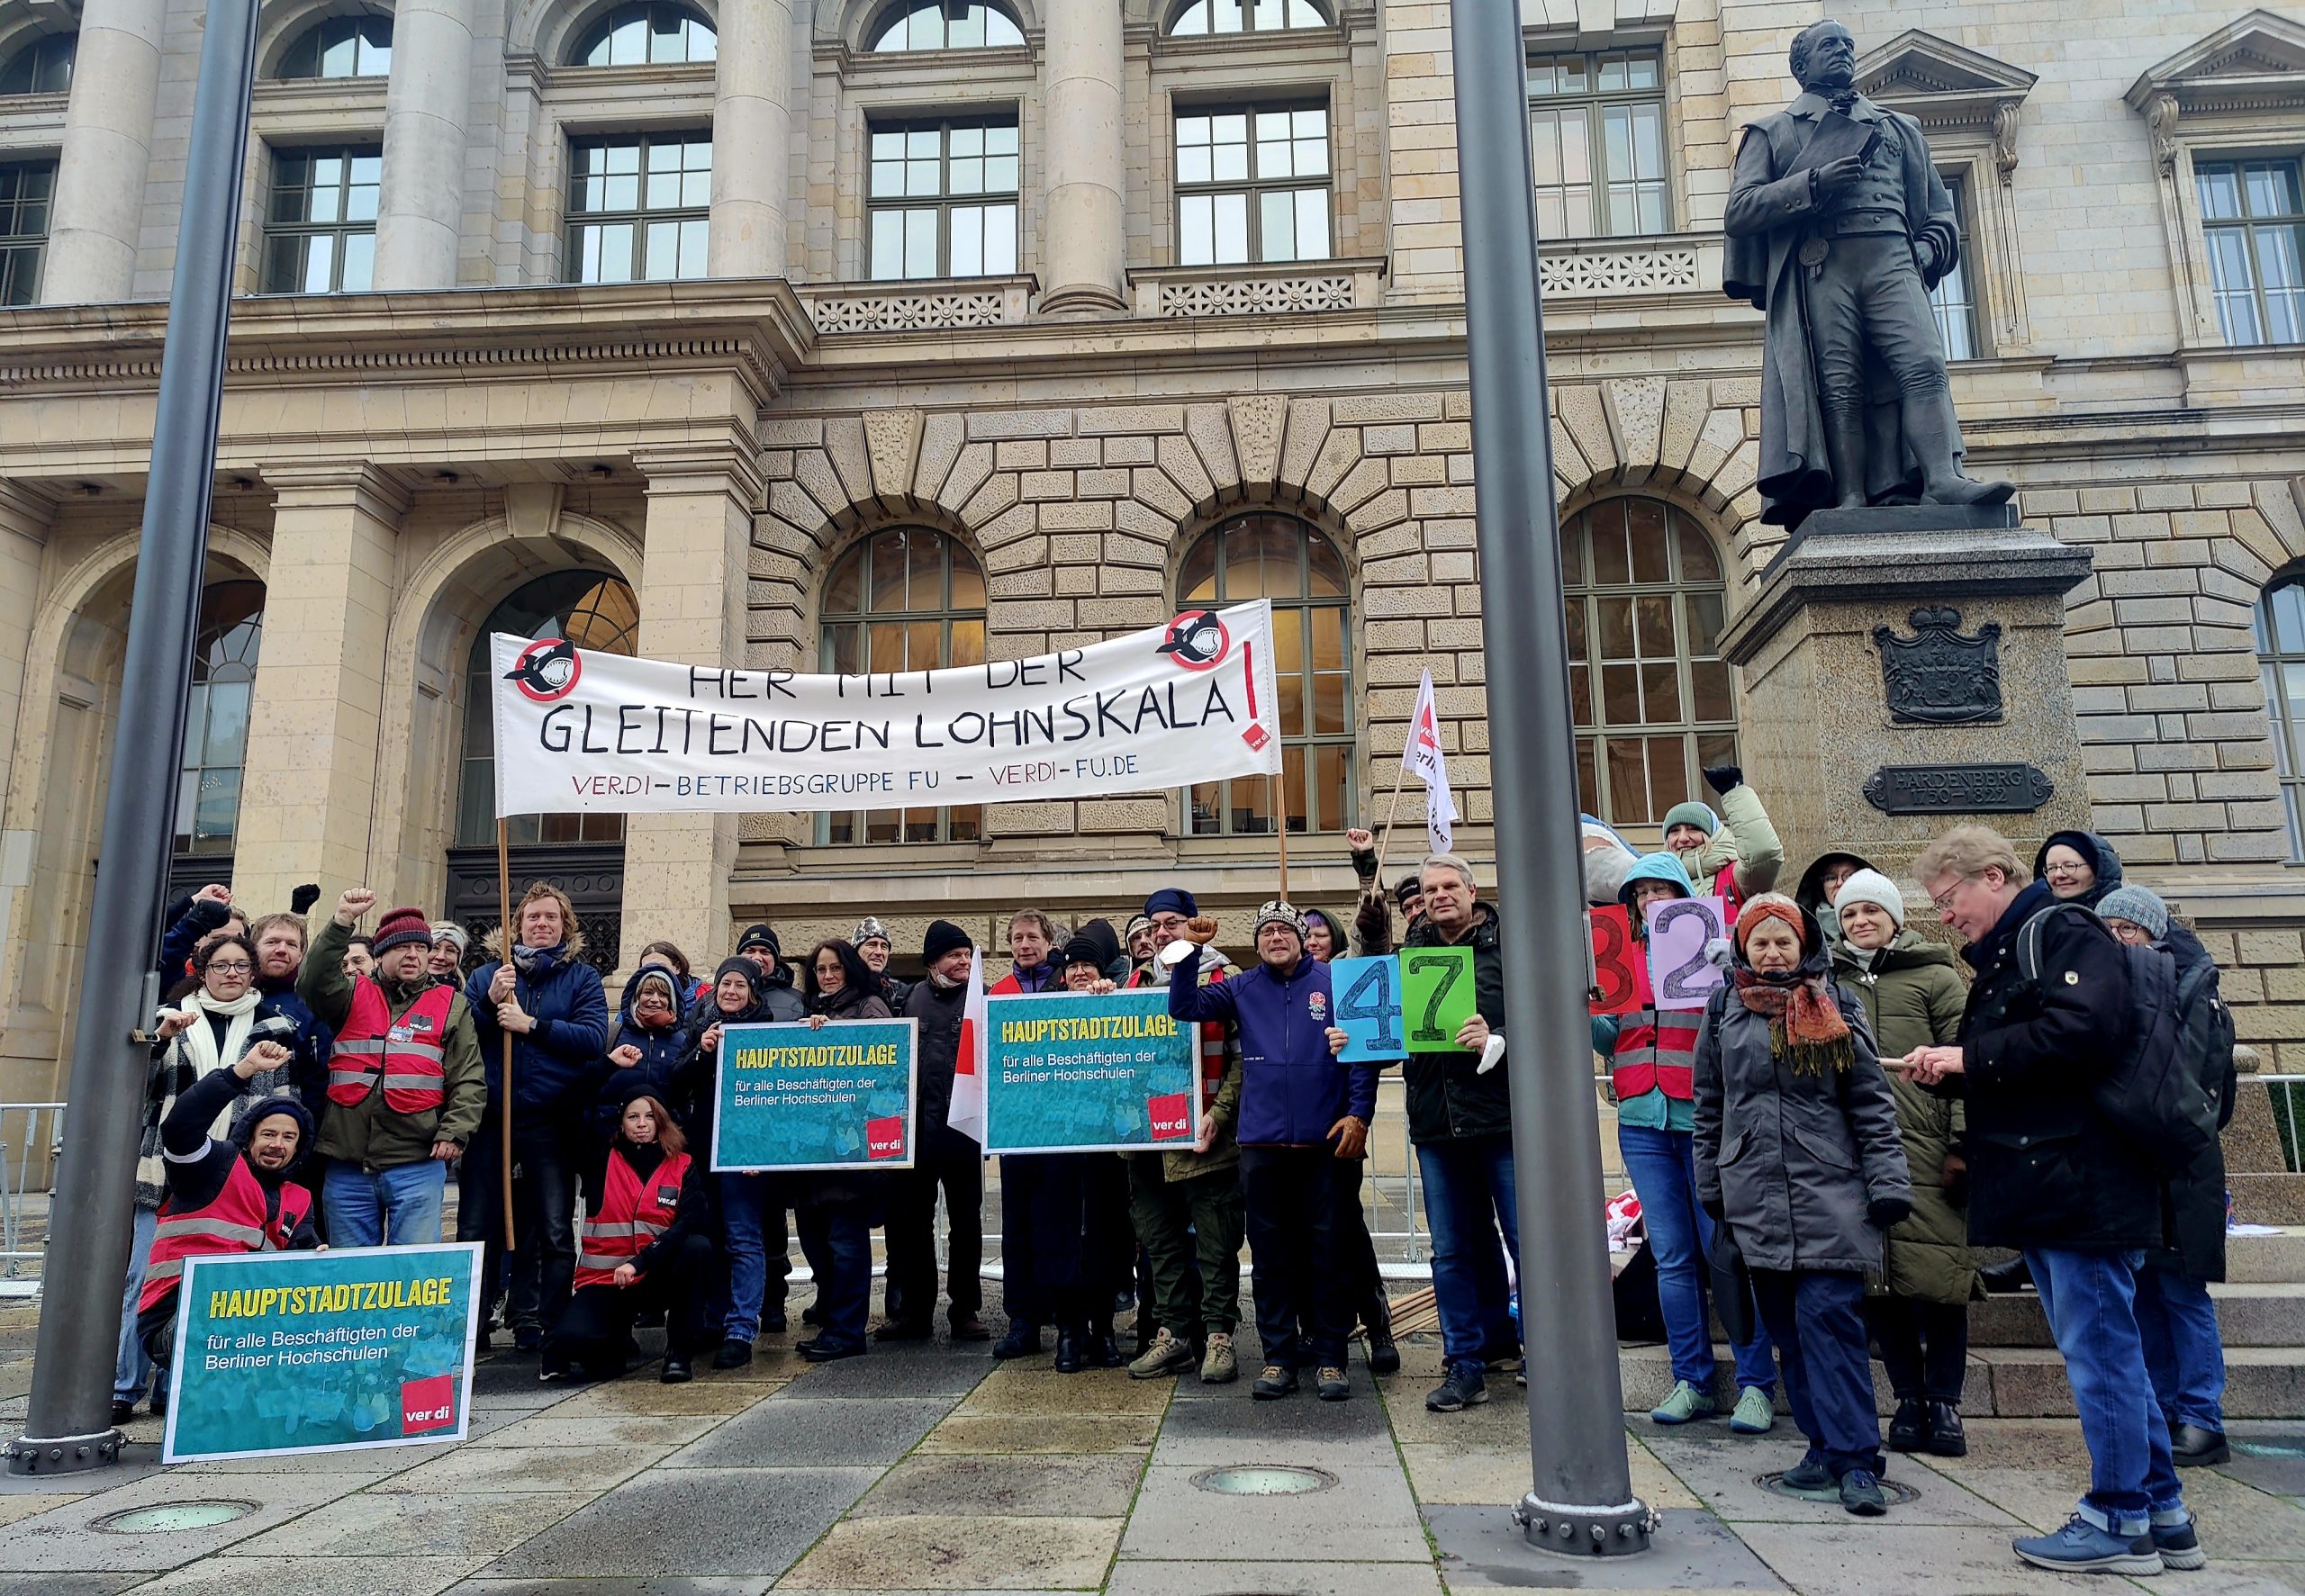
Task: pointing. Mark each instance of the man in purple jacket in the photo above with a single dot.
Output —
(1302, 1126)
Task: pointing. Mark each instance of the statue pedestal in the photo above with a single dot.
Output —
(1904, 671)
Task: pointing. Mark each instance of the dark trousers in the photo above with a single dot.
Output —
(480, 1208)
(951, 1163)
(1110, 1263)
(545, 1160)
(1365, 1282)
(596, 1326)
(1192, 1230)
(1058, 1256)
(1817, 1320)
(837, 1239)
(1924, 1346)
(1295, 1202)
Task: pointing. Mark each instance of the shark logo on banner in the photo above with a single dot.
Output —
(1423, 759)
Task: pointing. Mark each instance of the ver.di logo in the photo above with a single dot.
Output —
(546, 671)
(1197, 640)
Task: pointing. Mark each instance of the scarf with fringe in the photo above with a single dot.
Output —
(1805, 1028)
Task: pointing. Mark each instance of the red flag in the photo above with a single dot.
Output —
(966, 1113)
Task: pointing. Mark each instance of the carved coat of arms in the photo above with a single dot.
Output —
(1938, 677)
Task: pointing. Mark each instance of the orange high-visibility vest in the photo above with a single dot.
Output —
(404, 1054)
(633, 1213)
(234, 1223)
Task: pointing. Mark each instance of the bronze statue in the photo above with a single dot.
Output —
(1838, 226)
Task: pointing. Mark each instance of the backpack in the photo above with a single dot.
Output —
(2205, 1033)
(2153, 1093)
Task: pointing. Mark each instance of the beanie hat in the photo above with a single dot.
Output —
(1700, 816)
(1136, 922)
(1085, 949)
(398, 928)
(1774, 905)
(448, 931)
(244, 1128)
(2136, 905)
(1278, 911)
(654, 975)
(1869, 885)
(870, 929)
(1174, 900)
(942, 937)
(1410, 886)
(761, 936)
(737, 964)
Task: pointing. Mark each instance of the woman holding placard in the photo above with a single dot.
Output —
(1797, 1155)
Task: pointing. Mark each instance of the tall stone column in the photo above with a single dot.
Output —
(752, 138)
(694, 566)
(308, 789)
(1084, 248)
(419, 211)
(107, 149)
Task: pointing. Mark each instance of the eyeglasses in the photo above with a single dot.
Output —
(2065, 868)
(229, 966)
(1944, 900)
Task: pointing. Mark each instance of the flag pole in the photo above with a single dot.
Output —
(1393, 815)
(1280, 830)
(505, 928)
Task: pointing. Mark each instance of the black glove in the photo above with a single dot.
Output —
(1364, 864)
(303, 898)
(1725, 778)
(1885, 1211)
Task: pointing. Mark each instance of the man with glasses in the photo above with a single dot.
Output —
(2050, 1175)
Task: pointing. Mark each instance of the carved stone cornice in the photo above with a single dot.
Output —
(1948, 88)
(2254, 64)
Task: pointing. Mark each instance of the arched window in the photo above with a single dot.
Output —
(905, 599)
(1195, 17)
(340, 47)
(2281, 656)
(1281, 558)
(43, 67)
(650, 35)
(591, 611)
(940, 25)
(1651, 694)
(216, 728)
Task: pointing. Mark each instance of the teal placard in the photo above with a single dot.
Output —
(1368, 1008)
(1073, 1073)
(285, 1352)
(1436, 997)
(794, 1098)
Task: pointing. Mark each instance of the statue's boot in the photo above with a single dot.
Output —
(1845, 453)
(1934, 437)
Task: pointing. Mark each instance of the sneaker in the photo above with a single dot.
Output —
(1273, 1383)
(1219, 1365)
(2081, 1548)
(1165, 1356)
(1808, 1474)
(1686, 1402)
(1463, 1387)
(732, 1354)
(2179, 1547)
(1755, 1414)
(1860, 1493)
(1332, 1384)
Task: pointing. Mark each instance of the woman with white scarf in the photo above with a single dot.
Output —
(213, 1028)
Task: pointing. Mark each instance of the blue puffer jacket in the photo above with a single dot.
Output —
(1292, 1087)
(660, 1051)
(555, 1068)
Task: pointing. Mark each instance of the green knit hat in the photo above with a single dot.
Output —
(1700, 816)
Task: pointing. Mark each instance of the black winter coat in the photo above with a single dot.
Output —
(938, 1009)
(2045, 1167)
(2194, 1203)
(1448, 1098)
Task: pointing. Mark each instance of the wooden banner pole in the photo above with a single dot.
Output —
(506, 934)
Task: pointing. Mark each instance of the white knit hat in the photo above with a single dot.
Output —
(1873, 888)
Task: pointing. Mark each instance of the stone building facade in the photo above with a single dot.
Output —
(824, 332)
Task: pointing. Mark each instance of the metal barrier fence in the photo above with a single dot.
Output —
(2285, 1096)
(32, 1135)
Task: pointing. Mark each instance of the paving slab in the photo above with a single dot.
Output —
(633, 1585)
(2238, 1520)
(276, 1576)
(1296, 1429)
(1889, 1559)
(62, 1540)
(1483, 1549)
(1096, 1486)
(584, 1429)
(1272, 1579)
(693, 1521)
(904, 1370)
(1726, 1476)
(652, 1397)
(1082, 1432)
(12, 1508)
(464, 1524)
(795, 1431)
(2227, 1576)
(1366, 1516)
(1045, 1391)
(68, 1584)
(960, 1552)
(550, 1470)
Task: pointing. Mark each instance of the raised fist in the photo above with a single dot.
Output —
(1724, 779)
(264, 1056)
(1359, 841)
(214, 892)
(625, 1057)
(351, 904)
(1201, 930)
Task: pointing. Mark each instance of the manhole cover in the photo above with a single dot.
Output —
(1895, 1493)
(1272, 1479)
(172, 1517)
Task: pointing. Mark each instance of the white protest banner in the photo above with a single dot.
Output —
(1192, 701)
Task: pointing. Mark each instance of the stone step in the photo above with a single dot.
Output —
(2004, 1381)
(2248, 1315)
(2261, 1260)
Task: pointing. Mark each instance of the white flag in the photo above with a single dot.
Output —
(966, 1112)
(1422, 757)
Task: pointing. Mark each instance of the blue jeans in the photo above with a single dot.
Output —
(132, 1371)
(1817, 1319)
(2183, 1353)
(748, 1204)
(395, 1207)
(2090, 1300)
(1663, 1167)
(1468, 1194)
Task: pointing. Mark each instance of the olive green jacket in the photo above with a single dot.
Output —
(370, 1133)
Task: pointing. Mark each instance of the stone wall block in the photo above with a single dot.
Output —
(789, 502)
(1716, 441)
(2277, 505)
(892, 447)
(1123, 548)
(1182, 462)
(997, 493)
(1582, 412)
(1154, 488)
(1636, 407)
(1568, 463)
(1363, 482)
(1258, 423)
(971, 469)
(1340, 453)
(941, 437)
(1015, 525)
(1209, 428)
(1106, 420)
(1738, 472)
(1686, 407)
(1307, 432)
(1143, 522)
(1379, 512)
(992, 425)
(846, 445)
(1016, 554)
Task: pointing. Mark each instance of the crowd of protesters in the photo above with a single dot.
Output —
(1820, 1151)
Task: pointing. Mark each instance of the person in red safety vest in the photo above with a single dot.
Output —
(224, 1198)
(1652, 1058)
(1733, 855)
(646, 1245)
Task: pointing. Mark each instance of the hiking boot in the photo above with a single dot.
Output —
(1384, 1357)
(1332, 1384)
(1860, 1493)
(1273, 1383)
(1909, 1430)
(1808, 1474)
(1219, 1365)
(1462, 1387)
(2179, 1547)
(1754, 1414)
(1165, 1356)
(2081, 1548)
(1686, 1402)
(1022, 1340)
(732, 1354)
(1946, 1437)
